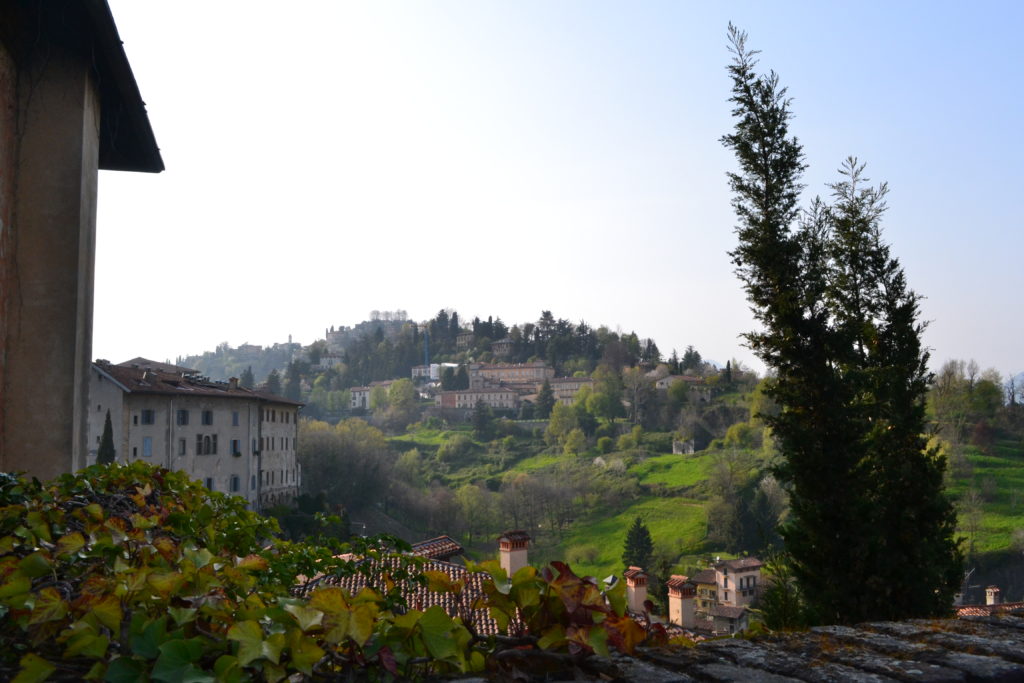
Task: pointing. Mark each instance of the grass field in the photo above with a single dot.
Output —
(680, 471)
(999, 479)
(594, 546)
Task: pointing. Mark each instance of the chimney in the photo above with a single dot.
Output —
(232, 382)
(680, 597)
(993, 596)
(636, 589)
(512, 549)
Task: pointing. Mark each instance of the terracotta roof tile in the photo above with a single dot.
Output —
(440, 548)
(705, 576)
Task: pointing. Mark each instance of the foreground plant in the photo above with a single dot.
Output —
(130, 572)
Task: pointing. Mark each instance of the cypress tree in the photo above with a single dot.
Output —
(870, 531)
(247, 380)
(106, 453)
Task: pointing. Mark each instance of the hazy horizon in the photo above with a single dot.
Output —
(507, 158)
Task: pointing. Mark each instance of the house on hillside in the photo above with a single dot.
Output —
(716, 599)
(234, 440)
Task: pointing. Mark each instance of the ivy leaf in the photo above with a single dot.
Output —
(439, 582)
(252, 645)
(306, 616)
(305, 652)
(617, 598)
(33, 668)
(126, 670)
(87, 644)
(147, 644)
(249, 637)
(552, 638)
(436, 626)
(182, 615)
(228, 670)
(165, 583)
(70, 543)
(50, 606)
(253, 563)
(35, 565)
(200, 558)
(176, 662)
(108, 611)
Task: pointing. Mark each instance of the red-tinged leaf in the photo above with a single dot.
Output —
(50, 606)
(624, 633)
(33, 669)
(387, 660)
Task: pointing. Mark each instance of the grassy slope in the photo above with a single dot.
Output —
(678, 521)
(1004, 512)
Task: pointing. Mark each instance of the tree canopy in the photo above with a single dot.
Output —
(870, 533)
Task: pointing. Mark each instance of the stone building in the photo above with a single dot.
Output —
(234, 440)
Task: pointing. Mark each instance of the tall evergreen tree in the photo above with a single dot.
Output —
(639, 547)
(293, 382)
(869, 532)
(274, 383)
(106, 453)
(545, 401)
(247, 380)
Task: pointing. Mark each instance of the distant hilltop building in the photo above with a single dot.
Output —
(234, 440)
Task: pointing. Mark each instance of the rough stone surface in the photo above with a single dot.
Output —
(928, 651)
(975, 649)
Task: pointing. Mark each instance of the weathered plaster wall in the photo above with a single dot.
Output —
(49, 284)
(8, 97)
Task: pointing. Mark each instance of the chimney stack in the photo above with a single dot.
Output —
(233, 382)
(993, 595)
(512, 550)
(681, 594)
(636, 589)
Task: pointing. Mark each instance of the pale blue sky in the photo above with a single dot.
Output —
(325, 159)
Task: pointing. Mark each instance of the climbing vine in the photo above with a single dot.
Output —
(133, 573)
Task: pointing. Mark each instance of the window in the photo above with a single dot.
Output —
(148, 416)
(236, 447)
(182, 446)
(207, 417)
(199, 444)
(135, 419)
(207, 445)
(254, 449)
(135, 451)
(235, 483)
(182, 417)
(252, 483)
(234, 418)
(209, 483)
(147, 447)
(215, 444)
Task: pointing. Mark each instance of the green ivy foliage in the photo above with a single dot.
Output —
(135, 573)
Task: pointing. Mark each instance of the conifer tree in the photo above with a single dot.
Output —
(247, 380)
(545, 400)
(638, 547)
(870, 533)
(274, 383)
(106, 453)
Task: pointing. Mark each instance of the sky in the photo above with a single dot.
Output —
(327, 159)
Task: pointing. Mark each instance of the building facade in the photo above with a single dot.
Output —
(232, 439)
